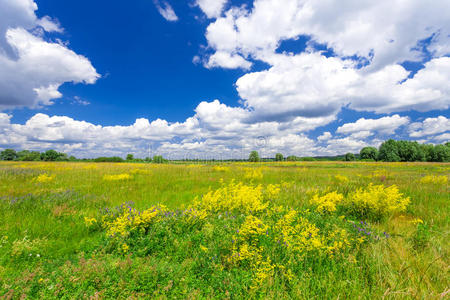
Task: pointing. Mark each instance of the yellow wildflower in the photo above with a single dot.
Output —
(43, 178)
(328, 202)
(434, 179)
(117, 177)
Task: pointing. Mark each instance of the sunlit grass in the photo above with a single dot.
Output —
(49, 246)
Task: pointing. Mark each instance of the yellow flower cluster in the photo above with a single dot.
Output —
(43, 178)
(253, 174)
(377, 200)
(234, 197)
(298, 234)
(89, 221)
(90, 167)
(221, 168)
(434, 179)
(252, 227)
(328, 202)
(193, 166)
(140, 171)
(417, 221)
(117, 177)
(130, 220)
(341, 178)
(273, 190)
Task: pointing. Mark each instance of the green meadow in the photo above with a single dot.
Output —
(322, 230)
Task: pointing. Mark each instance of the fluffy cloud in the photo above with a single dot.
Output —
(325, 136)
(166, 10)
(368, 40)
(384, 125)
(308, 85)
(32, 69)
(384, 32)
(211, 8)
(227, 60)
(431, 126)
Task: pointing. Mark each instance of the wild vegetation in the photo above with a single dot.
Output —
(235, 230)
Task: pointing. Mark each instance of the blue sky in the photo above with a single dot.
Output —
(91, 77)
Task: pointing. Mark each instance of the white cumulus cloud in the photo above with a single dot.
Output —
(32, 69)
(212, 8)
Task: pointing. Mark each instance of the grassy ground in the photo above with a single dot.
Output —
(56, 236)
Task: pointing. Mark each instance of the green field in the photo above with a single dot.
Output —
(264, 230)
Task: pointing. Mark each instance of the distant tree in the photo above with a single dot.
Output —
(368, 153)
(109, 159)
(279, 157)
(292, 158)
(26, 155)
(388, 151)
(307, 158)
(72, 158)
(158, 159)
(22, 154)
(148, 159)
(8, 154)
(254, 156)
(349, 157)
(50, 155)
(130, 157)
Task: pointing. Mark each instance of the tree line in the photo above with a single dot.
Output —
(53, 155)
(389, 151)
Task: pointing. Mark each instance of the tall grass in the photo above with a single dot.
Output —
(48, 249)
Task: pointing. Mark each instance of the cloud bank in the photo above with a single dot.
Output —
(348, 54)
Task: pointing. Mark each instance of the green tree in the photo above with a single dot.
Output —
(292, 158)
(279, 157)
(368, 153)
(349, 157)
(29, 156)
(8, 154)
(158, 159)
(442, 153)
(130, 156)
(388, 151)
(410, 151)
(429, 152)
(254, 156)
(50, 155)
